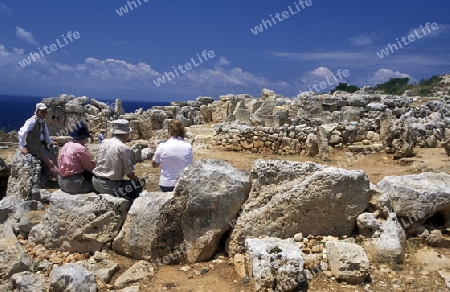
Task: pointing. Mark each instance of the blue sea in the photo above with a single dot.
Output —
(16, 109)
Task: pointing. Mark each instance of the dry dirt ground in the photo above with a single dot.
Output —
(419, 272)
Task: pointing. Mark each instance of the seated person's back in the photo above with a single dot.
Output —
(75, 163)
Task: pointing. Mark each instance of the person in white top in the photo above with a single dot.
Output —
(173, 156)
(34, 138)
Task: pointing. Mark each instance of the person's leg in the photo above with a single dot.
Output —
(86, 186)
(51, 166)
(131, 189)
(47, 157)
(105, 186)
(76, 185)
(52, 157)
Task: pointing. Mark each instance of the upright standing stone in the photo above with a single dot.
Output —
(322, 141)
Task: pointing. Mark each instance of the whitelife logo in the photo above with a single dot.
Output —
(124, 9)
(281, 16)
(322, 85)
(33, 57)
(411, 38)
(168, 76)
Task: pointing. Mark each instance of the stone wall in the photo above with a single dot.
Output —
(276, 124)
(282, 125)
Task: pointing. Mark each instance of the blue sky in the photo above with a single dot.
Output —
(297, 45)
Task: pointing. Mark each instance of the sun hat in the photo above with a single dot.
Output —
(80, 132)
(120, 126)
(40, 106)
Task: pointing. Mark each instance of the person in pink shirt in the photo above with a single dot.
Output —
(75, 163)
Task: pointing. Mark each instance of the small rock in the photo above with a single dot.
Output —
(185, 268)
(298, 237)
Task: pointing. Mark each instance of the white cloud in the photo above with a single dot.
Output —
(25, 35)
(3, 51)
(362, 40)
(223, 61)
(320, 72)
(219, 77)
(8, 57)
(113, 74)
(383, 75)
(311, 80)
(120, 44)
(63, 67)
(354, 57)
(5, 9)
(367, 39)
(234, 77)
(18, 51)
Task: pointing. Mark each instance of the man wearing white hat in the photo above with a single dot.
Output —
(34, 138)
(113, 162)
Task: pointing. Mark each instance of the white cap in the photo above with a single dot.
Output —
(40, 106)
(121, 126)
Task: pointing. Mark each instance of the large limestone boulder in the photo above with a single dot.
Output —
(215, 192)
(8, 206)
(347, 261)
(186, 224)
(80, 223)
(388, 245)
(399, 139)
(312, 147)
(141, 270)
(206, 114)
(28, 175)
(151, 229)
(157, 118)
(416, 197)
(29, 214)
(73, 278)
(102, 267)
(267, 95)
(142, 127)
(28, 282)
(14, 258)
(118, 108)
(292, 197)
(367, 224)
(263, 115)
(275, 264)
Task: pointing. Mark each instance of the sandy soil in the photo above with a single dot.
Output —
(219, 275)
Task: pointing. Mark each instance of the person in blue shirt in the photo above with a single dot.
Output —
(101, 136)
